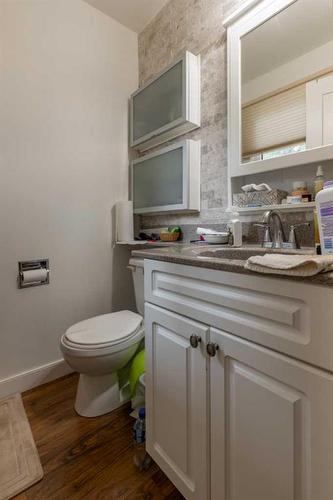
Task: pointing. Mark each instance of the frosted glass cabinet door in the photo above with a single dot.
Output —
(158, 181)
(168, 106)
(168, 180)
(159, 104)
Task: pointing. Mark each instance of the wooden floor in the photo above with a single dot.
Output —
(86, 458)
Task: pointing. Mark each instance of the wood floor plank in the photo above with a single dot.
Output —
(87, 458)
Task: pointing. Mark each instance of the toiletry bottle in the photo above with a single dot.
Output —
(324, 205)
(318, 186)
(235, 227)
(316, 229)
(319, 180)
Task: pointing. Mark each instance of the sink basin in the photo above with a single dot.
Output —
(231, 253)
(243, 253)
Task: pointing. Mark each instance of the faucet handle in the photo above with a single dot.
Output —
(293, 240)
(267, 241)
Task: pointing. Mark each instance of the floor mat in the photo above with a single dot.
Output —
(20, 466)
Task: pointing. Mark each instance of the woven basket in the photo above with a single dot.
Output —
(169, 236)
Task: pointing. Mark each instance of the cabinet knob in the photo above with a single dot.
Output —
(195, 340)
(212, 348)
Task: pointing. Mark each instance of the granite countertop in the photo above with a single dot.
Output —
(224, 258)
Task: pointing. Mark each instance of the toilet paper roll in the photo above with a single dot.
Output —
(124, 221)
(34, 276)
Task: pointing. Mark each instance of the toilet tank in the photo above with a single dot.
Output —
(136, 266)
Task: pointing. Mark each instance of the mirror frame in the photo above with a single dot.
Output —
(249, 16)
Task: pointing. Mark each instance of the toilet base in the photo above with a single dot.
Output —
(97, 395)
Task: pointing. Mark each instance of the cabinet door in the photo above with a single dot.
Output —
(167, 107)
(160, 103)
(176, 400)
(271, 425)
(168, 179)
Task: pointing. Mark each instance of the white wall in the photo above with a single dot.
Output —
(66, 71)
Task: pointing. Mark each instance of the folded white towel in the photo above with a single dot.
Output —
(289, 264)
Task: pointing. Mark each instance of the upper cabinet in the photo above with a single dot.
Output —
(280, 85)
(167, 107)
(167, 180)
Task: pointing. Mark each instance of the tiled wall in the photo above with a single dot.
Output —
(196, 25)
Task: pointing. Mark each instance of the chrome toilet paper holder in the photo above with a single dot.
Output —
(33, 265)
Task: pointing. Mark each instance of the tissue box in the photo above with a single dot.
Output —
(258, 198)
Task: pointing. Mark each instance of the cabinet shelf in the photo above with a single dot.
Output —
(300, 207)
(150, 243)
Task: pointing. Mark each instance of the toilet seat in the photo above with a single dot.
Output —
(104, 332)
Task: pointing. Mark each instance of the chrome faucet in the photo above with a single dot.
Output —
(274, 236)
(274, 232)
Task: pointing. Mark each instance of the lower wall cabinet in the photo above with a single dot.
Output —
(228, 419)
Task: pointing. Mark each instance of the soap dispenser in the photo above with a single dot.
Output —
(235, 227)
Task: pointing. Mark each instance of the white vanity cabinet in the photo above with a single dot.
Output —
(228, 418)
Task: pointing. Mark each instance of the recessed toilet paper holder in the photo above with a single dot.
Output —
(33, 273)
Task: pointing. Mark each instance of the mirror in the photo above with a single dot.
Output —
(287, 82)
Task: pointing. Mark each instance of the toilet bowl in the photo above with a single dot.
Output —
(97, 348)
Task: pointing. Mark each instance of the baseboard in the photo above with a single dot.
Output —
(32, 378)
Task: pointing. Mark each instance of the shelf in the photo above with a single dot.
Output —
(150, 243)
(299, 207)
(132, 242)
(309, 156)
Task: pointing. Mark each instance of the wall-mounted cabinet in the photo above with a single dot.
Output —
(167, 107)
(168, 180)
(280, 108)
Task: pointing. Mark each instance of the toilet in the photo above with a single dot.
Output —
(97, 348)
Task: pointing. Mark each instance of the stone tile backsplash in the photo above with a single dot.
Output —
(251, 233)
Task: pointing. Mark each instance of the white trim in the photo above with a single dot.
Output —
(307, 157)
(32, 378)
(316, 125)
(234, 16)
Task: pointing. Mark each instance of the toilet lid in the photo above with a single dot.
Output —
(105, 329)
